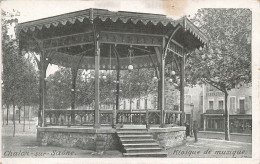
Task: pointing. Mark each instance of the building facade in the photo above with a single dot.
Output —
(192, 102)
(239, 105)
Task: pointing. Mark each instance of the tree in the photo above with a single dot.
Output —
(16, 79)
(140, 81)
(226, 61)
(59, 89)
(137, 83)
(11, 60)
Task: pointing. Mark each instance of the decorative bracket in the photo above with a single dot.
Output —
(169, 40)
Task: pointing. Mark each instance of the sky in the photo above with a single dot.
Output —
(36, 9)
(31, 10)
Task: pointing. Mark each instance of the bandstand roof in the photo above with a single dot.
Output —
(68, 39)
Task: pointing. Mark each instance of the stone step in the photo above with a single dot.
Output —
(125, 136)
(132, 140)
(138, 142)
(134, 132)
(144, 129)
(143, 149)
(150, 154)
(125, 126)
(138, 145)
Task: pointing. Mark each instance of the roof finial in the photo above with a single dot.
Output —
(91, 17)
(184, 23)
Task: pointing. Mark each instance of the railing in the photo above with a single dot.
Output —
(171, 116)
(146, 117)
(76, 117)
(131, 117)
(108, 117)
(212, 111)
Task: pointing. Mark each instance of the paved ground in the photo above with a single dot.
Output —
(24, 145)
(211, 148)
(221, 136)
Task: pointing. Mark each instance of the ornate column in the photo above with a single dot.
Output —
(182, 76)
(162, 99)
(42, 88)
(97, 66)
(161, 59)
(117, 84)
(74, 71)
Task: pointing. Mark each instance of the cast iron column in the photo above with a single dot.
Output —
(42, 88)
(97, 65)
(161, 92)
(162, 70)
(73, 92)
(182, 76)
(117, 84)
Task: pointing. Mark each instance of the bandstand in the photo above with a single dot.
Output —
(84, 40)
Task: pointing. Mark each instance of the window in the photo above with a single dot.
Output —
(124, 104)
(232, 103)
(155, 102)
(220, 104)
(250, 103)
(138, 104)
(211, 105)
(187, 99)
(201, 100)
(242, 105)
(145, 103)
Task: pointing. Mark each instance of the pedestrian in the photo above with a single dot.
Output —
(187, 129)
(195, 130)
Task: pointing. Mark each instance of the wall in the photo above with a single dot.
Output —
(150, 103)
(242, 92)
(169, 137)
(103, 139)
(80, 138)
(195, 93)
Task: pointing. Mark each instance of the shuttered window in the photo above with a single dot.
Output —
(250, 103)
(145, 103)
(246, 103)
(220, 104)
(138, 104)
(210, 104)
(232, 103)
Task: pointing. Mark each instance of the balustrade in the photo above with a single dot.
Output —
(108, 117)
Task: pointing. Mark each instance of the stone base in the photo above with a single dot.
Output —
(169, 137)
(103, 139)
(83, 138)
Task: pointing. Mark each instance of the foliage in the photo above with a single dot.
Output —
(137, 83)
(227, 60)
(19, 75)
(59, 89)
(59, 86)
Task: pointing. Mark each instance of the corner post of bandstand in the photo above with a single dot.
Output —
(162, 84)
(97, 92)
(74, 71)
(42, 66)
(182, 84)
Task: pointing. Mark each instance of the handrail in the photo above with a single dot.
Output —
(65, 117)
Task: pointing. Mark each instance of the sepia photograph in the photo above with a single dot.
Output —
(164, 79)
